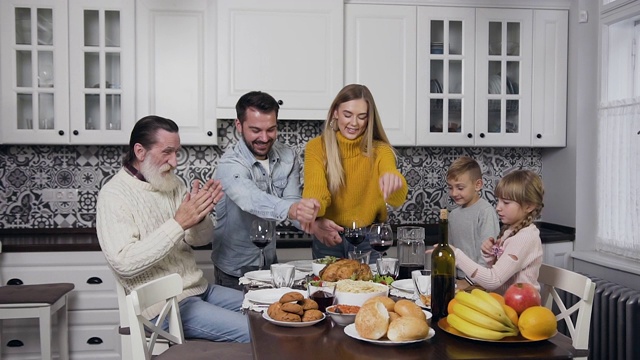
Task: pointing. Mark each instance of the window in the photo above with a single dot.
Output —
(618, 177)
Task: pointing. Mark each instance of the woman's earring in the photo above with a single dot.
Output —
(332, 124)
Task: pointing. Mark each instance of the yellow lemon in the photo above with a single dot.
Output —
(511, 314)
(537, 323)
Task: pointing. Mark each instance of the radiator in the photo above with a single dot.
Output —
(615, 322)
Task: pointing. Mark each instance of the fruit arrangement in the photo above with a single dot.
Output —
(487, 316)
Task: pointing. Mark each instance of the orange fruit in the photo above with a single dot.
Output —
(498, 297)
(511, 313)
(537, 323)
(450, 306)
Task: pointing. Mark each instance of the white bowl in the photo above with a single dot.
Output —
(358, 298)
(340, 318)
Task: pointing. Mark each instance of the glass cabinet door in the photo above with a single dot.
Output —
(504, 77)
(445, 76)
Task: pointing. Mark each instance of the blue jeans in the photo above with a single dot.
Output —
(341, 251)
(215, 315)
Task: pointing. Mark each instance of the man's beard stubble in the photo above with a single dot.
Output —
(160, 178)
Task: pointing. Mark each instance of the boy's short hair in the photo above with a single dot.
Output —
(462, 165)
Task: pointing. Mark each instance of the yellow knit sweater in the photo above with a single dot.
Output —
(360, 199)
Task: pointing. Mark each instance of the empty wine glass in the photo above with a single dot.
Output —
(355, 234)
(381, 237)
(261, 234)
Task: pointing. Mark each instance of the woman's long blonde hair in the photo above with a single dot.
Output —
(524, 187)
(373, 132)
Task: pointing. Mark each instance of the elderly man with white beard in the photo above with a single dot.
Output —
(147, 222)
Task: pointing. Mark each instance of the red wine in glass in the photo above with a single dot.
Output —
(323, 298)
(380, 246)
(261, 243)
(261, 234)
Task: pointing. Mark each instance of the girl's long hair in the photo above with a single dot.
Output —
(373, 133)
(524, 187)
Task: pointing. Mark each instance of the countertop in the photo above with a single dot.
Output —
(85, 239)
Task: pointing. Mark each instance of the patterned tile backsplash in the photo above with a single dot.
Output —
(25, 171)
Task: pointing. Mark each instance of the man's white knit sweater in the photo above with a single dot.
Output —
(140, 238)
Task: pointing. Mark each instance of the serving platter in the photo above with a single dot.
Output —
(293, 324)
(265, 275)
(444, 325)
(269, 296)
(351, 331)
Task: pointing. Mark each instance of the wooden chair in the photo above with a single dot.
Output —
(551, 280)
(40, 301)
(165, 290)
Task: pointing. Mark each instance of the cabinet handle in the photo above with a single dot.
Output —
(482, 135)
(280, 102)
(469, 135)
(15, 343)
(94, 280)
(61, 132)
(15, 282)
(75, 132)
(209, 133)
(539, 136)
(94, 341)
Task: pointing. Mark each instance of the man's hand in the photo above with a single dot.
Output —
(389, 183)
(305, 211)
(326, 231)
(198, 203)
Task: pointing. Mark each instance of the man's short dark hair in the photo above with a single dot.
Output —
(259, 100)
(144, 133)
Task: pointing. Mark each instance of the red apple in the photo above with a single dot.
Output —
(521, 296)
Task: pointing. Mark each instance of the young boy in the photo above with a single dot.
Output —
(474, 220)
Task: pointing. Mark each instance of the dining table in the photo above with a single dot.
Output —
(328, 341)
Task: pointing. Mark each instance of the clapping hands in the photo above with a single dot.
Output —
(198, 203)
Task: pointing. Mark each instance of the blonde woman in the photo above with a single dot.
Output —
(351, 170)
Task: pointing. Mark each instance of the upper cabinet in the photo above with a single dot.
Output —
(67, 73)
(176, 65)
(484, 77)
(291, 49)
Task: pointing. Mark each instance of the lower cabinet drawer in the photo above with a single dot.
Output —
(93, 334)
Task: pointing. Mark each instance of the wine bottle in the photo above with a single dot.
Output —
(443, 271)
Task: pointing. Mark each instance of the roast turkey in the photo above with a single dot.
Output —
(346, 269)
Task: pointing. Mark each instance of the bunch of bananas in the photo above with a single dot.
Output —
(480, 315)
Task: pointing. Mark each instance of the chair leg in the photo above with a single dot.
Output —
(45, 333)
(1, 340)
(63, 332)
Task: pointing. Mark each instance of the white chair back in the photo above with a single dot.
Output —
(553, 278)
(141, 298)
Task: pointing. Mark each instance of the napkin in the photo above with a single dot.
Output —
(402, 294)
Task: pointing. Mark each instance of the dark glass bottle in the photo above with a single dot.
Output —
(443, 271)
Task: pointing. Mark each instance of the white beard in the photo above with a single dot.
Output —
(162, 179)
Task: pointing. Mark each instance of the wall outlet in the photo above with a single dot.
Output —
(59, 195)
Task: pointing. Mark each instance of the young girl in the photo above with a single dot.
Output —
(517, 254)
(351, 170)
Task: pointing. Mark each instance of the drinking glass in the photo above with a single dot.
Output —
(388, 267)
(282, 275)
(323, 293)
(261, 234)
(355, 234)
(422, 283)
(361, 256)
(381, 237)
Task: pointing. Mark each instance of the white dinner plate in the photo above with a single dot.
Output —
(351, 331)
(302, 265)
(291, 323)
(269, 296)
(265, 275)
(405, 285)
(422, 305)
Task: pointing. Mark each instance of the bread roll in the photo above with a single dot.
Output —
(386, 301)
(372, 321)
(407, 328)
(408, 308)
(392, 316)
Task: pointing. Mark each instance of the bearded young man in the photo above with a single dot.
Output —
(147, 222)
(261, 179)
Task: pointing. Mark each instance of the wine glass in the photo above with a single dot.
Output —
(354, 234)
(261, 234)
(381, 237)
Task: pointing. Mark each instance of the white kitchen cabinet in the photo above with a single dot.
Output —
(176, 65)
(557, 253)
(461, 96)
(67, 71)
(291, 49)
(380, 53)
(93, 304)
